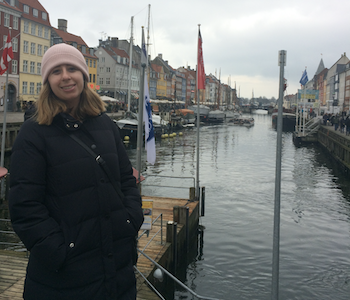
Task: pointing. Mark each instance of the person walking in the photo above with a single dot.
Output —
(78, 222)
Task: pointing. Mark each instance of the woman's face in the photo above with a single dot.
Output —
(67, 83)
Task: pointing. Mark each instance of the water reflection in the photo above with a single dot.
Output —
(237, 167)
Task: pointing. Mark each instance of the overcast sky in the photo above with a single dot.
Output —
(240, 38)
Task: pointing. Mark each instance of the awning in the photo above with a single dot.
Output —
(106, 98)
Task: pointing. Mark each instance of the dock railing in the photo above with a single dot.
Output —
(190, 187)
(165, 271)
(12, 243)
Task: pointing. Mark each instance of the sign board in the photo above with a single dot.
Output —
(147, 208)
(309, 94)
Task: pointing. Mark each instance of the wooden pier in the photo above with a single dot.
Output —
(174, 211)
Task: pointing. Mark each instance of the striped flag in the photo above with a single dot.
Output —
(7, 55)
(150, 143)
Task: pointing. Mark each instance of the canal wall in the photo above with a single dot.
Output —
(337, 144)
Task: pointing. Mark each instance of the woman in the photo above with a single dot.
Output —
(79, 231)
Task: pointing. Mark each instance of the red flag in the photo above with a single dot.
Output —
(7, 55)
(200, 64)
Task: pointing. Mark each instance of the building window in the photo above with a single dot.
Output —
(33, 29)
(87, 62)
(26, 9)
(83, 49)
(25, 66)
(15, 23)
(32, 48)
(14, 67)
(108, 81)
(94, 63)
(4, 40)
(40, 31)
(90, 63)
(6, 20)
(31, 88)
(94, 78)
(45, 49)
(25, 46)
(89, 77)
(35, 12)
(38, 68)
(103, 59)
(101, 80)
(44, 15)
(24, 88)
(46, 33)
(38, 87)
(40, 50)
(108, 69)
(32, 67)
(101, 70)
(26, 27)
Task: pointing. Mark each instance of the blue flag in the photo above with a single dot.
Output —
(304, 78)
(150, 143)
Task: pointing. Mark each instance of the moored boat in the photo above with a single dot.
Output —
(203, 111)
(216, 116)
(288, 121)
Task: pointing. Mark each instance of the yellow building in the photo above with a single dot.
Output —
(34, 41)
(61, 35)
(161, 80)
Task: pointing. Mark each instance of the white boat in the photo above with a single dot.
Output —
(229, 114)
(203, 111)
(216, 116)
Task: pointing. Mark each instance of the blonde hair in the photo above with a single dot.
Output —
(48, 105)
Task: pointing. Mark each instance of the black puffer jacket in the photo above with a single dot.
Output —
(78, 230)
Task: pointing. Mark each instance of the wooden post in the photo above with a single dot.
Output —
(171, 237)
(192, 193)
(203, 202)
(176, 214)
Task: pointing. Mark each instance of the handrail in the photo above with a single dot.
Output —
(164, 176)
(20, 243)
(172, 277)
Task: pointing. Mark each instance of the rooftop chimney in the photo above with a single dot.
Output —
(114, 42)
(62, 25)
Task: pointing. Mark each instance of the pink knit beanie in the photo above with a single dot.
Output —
(63, 54)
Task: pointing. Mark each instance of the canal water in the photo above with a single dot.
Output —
(237, 168)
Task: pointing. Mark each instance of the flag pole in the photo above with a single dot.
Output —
(198, 120)
(3, 140)
(140, 117)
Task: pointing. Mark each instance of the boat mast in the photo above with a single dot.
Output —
(130, 62)
(218, 100)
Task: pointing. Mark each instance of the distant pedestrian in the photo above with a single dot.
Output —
(347, 124)
(336, 122)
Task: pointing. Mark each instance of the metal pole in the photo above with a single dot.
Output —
(140, 117)
(3, 140)
(304, 110)
(130, 62)
(276, 223)
(198, 127)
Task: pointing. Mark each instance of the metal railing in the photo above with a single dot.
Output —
(171, 186)
(165, 271)
(12, 245)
